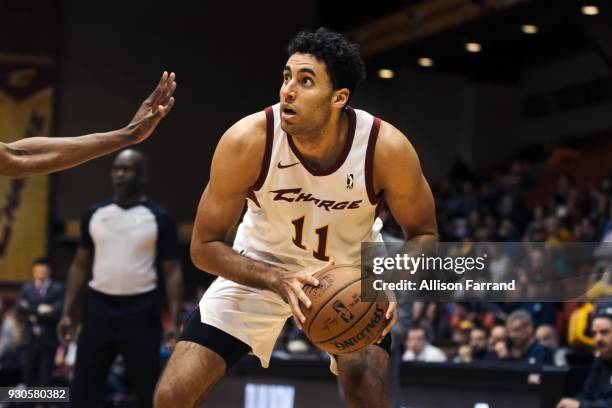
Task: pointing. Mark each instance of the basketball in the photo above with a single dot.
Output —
(338, 322)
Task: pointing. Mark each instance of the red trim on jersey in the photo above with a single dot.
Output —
(251, 195)
(369, 162)
(343, 155)
(265, 164)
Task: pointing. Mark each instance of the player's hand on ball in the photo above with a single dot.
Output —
(290, 286)
(153, 109)
(391, 317)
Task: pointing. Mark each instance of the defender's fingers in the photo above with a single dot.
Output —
(166, 94)
(158, 88)
(169, 105)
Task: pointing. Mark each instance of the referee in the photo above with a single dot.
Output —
(121, 240)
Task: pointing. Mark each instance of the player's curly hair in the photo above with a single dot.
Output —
(342, 60)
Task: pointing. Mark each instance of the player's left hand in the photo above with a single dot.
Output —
(391, 317)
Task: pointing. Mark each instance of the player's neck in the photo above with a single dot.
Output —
(322, 149)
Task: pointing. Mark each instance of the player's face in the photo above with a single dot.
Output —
(602, 331)
(306, 96)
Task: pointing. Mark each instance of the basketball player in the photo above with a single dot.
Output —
(313, 171)
(37, 155)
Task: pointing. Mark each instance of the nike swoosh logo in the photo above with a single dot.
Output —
(284, 166)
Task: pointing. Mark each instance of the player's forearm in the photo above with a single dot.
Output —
(74, 282)
(220, 259)
(36, 155)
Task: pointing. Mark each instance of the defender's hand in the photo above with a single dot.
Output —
(153, 109)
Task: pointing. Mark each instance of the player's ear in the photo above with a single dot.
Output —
(340, 97)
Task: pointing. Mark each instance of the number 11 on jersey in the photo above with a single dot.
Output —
(298, 238)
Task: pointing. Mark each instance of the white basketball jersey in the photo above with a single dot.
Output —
(298, 216)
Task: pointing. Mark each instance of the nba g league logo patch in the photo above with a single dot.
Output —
(349, 181)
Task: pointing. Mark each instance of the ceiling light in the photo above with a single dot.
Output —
(473, 47)
(590, 10)
(386, 73)
(529, 28)
(425, 62)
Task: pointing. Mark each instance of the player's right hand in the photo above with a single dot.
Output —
(65, 330)
(289, 285)
(153, 109)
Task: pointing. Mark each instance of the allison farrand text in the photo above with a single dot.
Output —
(441, 286)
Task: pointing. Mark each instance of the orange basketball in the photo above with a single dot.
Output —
(338, 321)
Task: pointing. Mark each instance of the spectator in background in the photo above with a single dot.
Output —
(461, 333)
(542, 313)
(7, 325)
(419, 349)
(464, 355)
(478, 344)
(523, 346)
(39, 304)
(424, 315)
(597, 390)
(498, 344)
(547, 336)
(10, 350)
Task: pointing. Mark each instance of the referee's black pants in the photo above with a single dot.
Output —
(126, 325)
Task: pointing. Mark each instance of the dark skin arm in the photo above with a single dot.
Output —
(173, 278)
(39, 155)
(235, 167)
(79, 271)
(397, 171)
